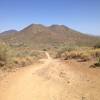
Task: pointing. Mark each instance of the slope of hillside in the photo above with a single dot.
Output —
(40, 36)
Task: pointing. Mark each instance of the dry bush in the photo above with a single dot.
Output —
(25, 57)
(75, 55)
(97, 45)
(65, 49)
(15, 57)
(97, 64)
(83, 54)
(23, 61)
(4, 55)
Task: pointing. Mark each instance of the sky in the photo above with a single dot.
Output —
(81, 15)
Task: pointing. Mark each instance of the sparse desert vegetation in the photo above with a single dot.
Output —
(97, 45)
(81, 54)
(49, 49)
(52, 63)
(6, 56)
(15, 53)
(59, 40)
(11, 57)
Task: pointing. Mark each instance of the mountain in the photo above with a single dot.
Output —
(40, 36)
(9, 32)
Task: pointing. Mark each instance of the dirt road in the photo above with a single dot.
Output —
(51, 80)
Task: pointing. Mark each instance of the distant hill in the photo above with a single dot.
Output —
(40, 36)
(9, 32)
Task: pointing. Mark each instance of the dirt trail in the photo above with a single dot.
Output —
(51, 80)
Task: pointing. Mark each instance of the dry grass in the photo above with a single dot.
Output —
(6, 56)
(10, 58)
(84, 54)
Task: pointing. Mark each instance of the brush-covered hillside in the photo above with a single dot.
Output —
(39, 36)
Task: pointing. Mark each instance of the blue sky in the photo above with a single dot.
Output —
(82, 15)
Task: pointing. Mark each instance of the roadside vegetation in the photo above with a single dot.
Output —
(11, 58)
(20, 56)
(97, 64)
(80, 54)
(97, 45)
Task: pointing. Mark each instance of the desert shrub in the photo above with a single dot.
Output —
(82, 54)
(75, 55)
(44, 49)
(11, 57)
(84, 57)
(26, 57)
(97, 53)
(6, 57)
(97, 64)
(97, 45)
(4, 54)
(65, 49)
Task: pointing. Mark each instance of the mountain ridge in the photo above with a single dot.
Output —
(49, 36)
(9, 31)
